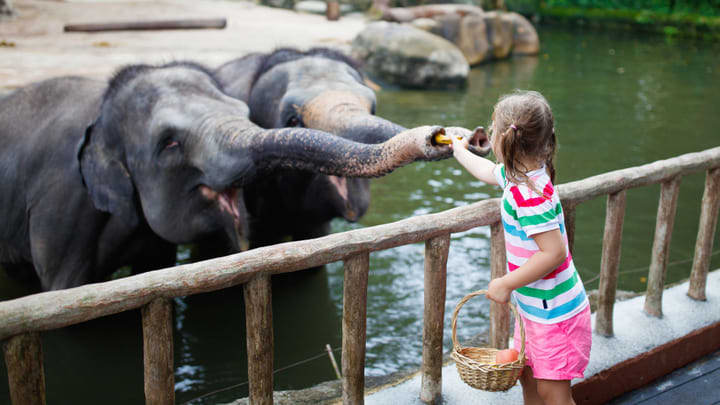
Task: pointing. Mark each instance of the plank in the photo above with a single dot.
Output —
(667, 206)
(610, 262)
(706, 234)
(26, 375)
(354, 328)
(258, 321)
(436, 256)
(158, 352)
(184, 24)
(499, 313)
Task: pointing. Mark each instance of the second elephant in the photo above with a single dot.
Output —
(320, 89)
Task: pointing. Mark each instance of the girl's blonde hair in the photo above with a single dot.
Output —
(525, 123)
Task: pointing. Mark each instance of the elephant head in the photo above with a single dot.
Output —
(320, 89)
(170, 148)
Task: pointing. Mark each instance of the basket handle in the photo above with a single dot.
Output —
(465, 299)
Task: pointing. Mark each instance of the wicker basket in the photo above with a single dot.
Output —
(477, 367)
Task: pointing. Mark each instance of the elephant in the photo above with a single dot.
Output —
(321, 89)
(96, 175)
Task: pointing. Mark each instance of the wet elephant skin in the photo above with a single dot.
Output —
(97, 175)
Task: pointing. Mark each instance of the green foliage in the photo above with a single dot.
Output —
(699, 7)
(525, 7)
(673, 24)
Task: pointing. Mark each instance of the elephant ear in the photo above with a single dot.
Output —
(105, 176)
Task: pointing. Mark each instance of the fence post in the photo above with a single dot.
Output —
(354, 328)
(158, 352)
(436, 255)
(258, 321)
(706, 233)
(610, 262)
(26, 375)
(499, 314)
(569, 215)
(661, 244)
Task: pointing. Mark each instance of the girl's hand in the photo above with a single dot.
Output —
(498, 291)
(459, 143)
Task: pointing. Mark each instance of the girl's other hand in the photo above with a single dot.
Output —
(498, 291)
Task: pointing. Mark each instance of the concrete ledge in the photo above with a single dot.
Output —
(643, 369)
(687, 327)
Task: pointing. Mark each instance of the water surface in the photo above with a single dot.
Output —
(619, 100)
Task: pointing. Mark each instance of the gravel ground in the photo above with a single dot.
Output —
(34, 47)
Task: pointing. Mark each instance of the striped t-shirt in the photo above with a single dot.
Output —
(560, 294)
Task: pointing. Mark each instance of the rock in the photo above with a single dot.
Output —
(500, 34)
(481, 36)
(448, 26)
(318, 7)
(473, 39)
(525, 37)
(406, 56)
(408, 14)
(425, 24)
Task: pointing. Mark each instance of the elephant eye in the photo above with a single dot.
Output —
(168, 142)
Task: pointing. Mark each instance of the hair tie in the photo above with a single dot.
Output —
(514, 128)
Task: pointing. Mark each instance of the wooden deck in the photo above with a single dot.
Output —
(697, 383)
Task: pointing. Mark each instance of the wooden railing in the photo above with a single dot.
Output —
(22, 319)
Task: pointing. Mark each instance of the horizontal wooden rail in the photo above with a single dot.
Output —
(657, 172)
(56, 309)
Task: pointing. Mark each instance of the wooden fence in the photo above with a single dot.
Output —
(22, 319)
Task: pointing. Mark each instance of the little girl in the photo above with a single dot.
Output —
(542, 278)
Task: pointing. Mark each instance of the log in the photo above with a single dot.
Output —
(569, 214)
(706, 233)
(26, 375)
(186, 24)
(158, 352)
(610, 262)
(354, 328)
(652, 173)
(258, 321)
(499, 313)
(436, 256)
(661, 246)
(56, 309)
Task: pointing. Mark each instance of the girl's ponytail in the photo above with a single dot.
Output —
(550, 161)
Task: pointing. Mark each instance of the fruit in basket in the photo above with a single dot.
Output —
(506, 356)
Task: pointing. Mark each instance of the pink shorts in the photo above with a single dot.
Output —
(558, 351)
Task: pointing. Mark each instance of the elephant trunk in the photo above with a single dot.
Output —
(347, 115)
(319, 152)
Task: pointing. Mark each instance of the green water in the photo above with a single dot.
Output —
(620, 100)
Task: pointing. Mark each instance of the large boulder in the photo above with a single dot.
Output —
(480, 35)
(525, 37)
(409, 57)
(500, 34)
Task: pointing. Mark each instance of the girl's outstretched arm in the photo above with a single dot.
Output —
(478, 166)
(551, 255)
